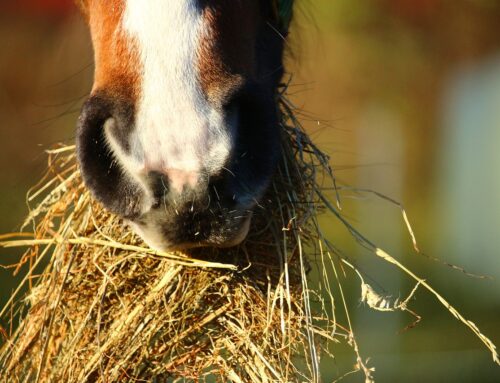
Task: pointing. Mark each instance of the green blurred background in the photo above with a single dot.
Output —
(405, 97)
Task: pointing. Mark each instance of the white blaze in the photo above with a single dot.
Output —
(176, 127)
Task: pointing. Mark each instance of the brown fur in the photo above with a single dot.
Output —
(226, 52)
(117, 65)
(225, 57)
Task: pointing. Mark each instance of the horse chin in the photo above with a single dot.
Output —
(159, 239)
(239, 237)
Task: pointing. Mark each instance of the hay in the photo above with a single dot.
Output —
(107, 308)
(102, 307)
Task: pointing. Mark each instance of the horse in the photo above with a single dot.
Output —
(180, 135)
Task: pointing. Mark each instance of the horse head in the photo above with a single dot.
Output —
(180, 135)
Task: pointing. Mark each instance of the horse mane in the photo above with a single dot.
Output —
(284, 12)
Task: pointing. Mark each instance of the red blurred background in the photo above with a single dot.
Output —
(41, 8)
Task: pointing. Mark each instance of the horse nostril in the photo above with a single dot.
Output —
(100, 171)
(158, 185)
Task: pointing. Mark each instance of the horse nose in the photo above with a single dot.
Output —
(170, 181)
(180, 179)
(102, 174)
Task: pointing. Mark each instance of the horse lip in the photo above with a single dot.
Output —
(240, 235)
(233, 240)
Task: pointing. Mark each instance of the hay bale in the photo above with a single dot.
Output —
(106, 308)
(103, 307)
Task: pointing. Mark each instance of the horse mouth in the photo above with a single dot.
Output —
(240, 235)
(181, 234)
